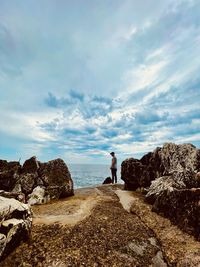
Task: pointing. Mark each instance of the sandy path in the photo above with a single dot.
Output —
(69, 211)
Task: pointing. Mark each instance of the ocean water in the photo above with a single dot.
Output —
(85, 175)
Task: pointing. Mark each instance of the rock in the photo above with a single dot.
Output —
(30, 165)
(15, 224)
(178, 180)
(8, 174)
(182, 207)
(169, 174)
(159, 185)
(16, 195)
(133, 172)
(38, 196)
(158, 260)
(53, 176)
(108, 180)
(27, 181)
(161, 162)
(198, 178)
(2, 243)
(56, 174)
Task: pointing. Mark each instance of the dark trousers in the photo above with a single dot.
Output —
(114, 175)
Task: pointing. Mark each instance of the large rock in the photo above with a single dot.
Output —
(177, 180)
(182, 207)
(30, 165)
(8, 174)
(15, 224)
(161, 162)
(53, 176)
(134, 174)
(170, 175)
(56, 177)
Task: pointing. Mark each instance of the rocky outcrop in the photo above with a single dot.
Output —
(108, 180)
(161, 162)
(177, 180)
(8, 174)
(171, 177)
(56, 178)
(53, 177)
(15, 224)
(182, 207)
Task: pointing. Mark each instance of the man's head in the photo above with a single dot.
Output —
(112, 154)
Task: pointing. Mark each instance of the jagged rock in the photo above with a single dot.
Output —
(108, 180)
(161, 184)
(178, 180)
(53, 176)
(27, 182)
(38, 196)
(56, 174)
(132, 172)
(30, 165)
(182, 207)
(8, 174)
(169, 174)
(15, 224)
(161, 162)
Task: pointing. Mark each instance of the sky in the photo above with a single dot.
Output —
(82, 78)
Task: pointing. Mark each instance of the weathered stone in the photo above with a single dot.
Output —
(177, 180)
(134, 174)
(15, 224)
(27, 181)
(2, 243)
(182, 207)
(161, 162)
(30, 165)
(54, 176)
(16, 195)
(38, 196)
(56, 173)
(108, 180)
(8, 174)
(161, 184)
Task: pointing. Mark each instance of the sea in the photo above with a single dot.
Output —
(85, 175)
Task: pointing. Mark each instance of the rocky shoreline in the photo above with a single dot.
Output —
(154, 222)
(170, 178)
(115, 228)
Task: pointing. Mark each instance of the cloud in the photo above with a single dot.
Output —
(122, 76)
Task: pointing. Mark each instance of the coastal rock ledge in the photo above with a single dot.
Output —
(35, 182)
(15, 224)
(170, 177)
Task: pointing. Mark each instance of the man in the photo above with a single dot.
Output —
(113, 167)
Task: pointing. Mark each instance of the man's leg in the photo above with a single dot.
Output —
(115, 176)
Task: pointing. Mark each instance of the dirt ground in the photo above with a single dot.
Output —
(101, 226)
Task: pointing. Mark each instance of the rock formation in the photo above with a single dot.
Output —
(15, 224)
(182, 207)
(108, 180)
(161, 162)
(53, 177)
(170, 175)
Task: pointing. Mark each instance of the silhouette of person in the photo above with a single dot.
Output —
(113, 167)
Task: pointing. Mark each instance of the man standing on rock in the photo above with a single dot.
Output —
(113, 167)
